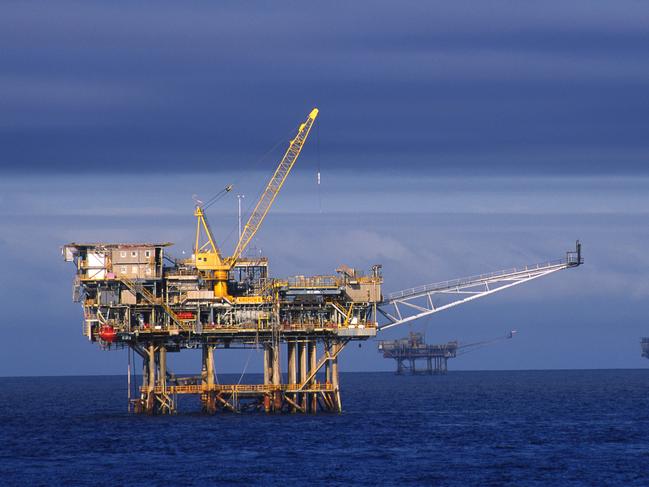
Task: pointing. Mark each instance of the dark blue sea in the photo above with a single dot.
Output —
(466, 428)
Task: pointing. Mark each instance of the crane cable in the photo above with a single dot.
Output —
(318, 164)
(252, 202)
(217, 197)
(257, 163)
(229, 187)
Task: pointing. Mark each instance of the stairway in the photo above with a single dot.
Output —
(138, 288)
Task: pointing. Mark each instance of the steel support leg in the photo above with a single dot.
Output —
(268, 376)
(150, 396)
(302, 355)
(334, 377)
(210, 395)
(277, 378)
(313, 362)
(291, 349)
(328, 349)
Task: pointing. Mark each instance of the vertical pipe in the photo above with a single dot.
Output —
(128, 377)
(302, 349)
(328, 350)
(162, 377)
(151, 378)
(292, 369)
(268, 360)
(150, 401)
(204, 365)
(335, 381)
(209, 366)
(313, 362)
(277, 378)
(145, 368)
(276, 369)
(209, 402)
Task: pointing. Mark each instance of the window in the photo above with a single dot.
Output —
(147, 253)
(134, 269)
(123, 270)
(122, 253)
(148, 271)
(134, 253)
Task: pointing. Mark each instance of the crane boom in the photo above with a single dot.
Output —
(273, 187)
(470, 347)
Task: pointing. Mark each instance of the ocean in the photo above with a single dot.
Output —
(563, 427)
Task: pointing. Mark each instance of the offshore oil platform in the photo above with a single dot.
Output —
(406, 352)
(136, 296)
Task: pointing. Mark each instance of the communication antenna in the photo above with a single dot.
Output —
(239, 198)
(318, 163)
(197, 202)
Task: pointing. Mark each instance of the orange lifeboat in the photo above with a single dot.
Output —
(107, 333)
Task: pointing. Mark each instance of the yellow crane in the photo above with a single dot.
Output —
(207, 256)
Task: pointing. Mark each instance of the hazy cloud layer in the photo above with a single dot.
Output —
(421, 231)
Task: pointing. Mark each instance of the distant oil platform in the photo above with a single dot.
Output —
(644, 346)
(136, 296)
(406, 352)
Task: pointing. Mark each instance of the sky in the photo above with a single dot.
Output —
(454, 138)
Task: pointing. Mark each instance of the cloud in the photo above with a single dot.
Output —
(373, 222)
(441, 87)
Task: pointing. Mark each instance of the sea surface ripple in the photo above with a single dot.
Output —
(587, 427)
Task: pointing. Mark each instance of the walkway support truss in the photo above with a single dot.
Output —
(411, 304)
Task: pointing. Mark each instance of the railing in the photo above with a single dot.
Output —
(313, 281)
(170, 274)
(328, 326)
(240, 388)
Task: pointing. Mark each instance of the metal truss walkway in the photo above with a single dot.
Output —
(412, 304)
